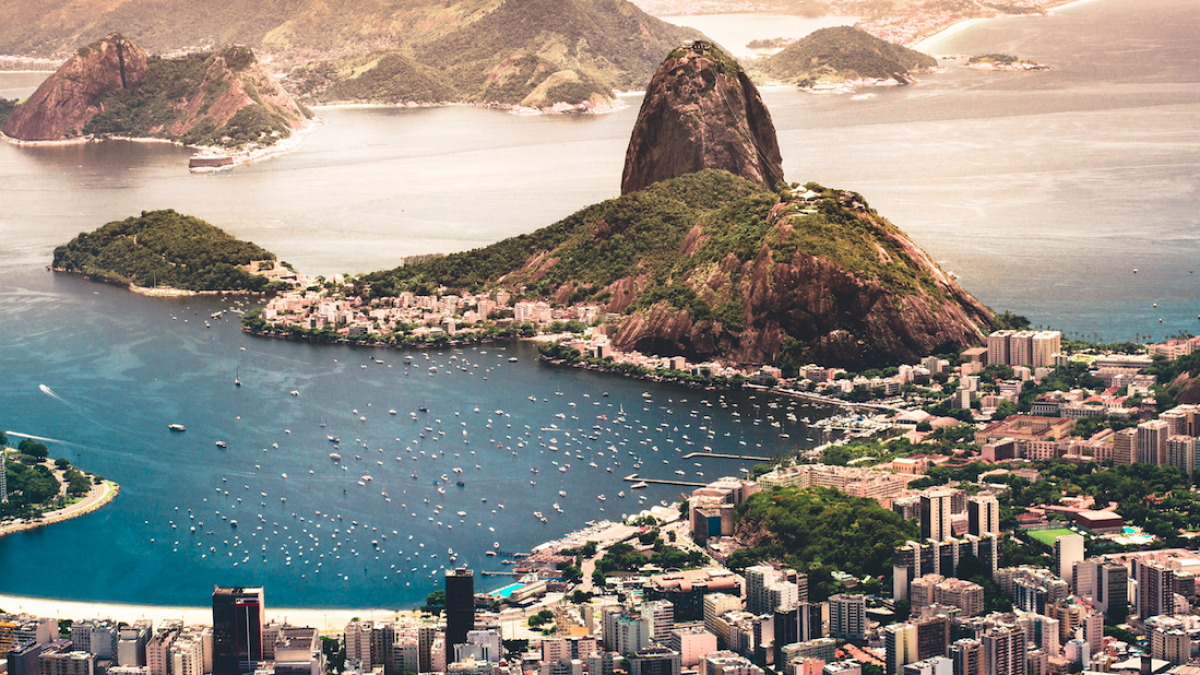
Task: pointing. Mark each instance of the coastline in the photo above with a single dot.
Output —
(108, 492)
(512, 109)
(325, 620)
(923, 44)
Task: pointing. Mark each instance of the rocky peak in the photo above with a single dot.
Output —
(701, 111)
(67, 100)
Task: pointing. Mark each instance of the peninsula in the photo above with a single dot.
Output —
(223, 101)
(36, 491)
(708, 254)
(164, 252)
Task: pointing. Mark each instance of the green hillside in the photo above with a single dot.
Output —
(165, 249)
(842, 53)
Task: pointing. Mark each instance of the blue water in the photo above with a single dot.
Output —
(508, 590)
(1041, 191)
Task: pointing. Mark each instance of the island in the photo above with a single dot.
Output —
(222, 102)
(707, 255)
(838, 59)
(168, 253)
(1005, 62)
(36, 491)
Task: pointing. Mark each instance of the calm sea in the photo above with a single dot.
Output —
(1042, 191)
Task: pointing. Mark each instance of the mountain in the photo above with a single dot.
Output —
(843, 53)
(701, 111)
(64, 104)
(113, 88)
(169, 249)
(530, 52)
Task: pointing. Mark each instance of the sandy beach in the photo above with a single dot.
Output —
(327, 620)
(927, 43)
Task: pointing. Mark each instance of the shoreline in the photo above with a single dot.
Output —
(512, 109)
(110, 490)
(924, 43)
(325, 620)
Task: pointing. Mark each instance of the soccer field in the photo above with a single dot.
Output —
(1047, 537)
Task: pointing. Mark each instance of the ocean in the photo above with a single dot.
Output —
(1041, 191)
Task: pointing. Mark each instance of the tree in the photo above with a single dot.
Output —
(435, 602)
(32, 448)
(62, 463)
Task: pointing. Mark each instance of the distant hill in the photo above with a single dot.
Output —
(529, 52)
(112, 87)
(166, 249)
(842, 53)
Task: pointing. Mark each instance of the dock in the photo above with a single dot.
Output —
(633, 478)
(502, 573)
(718, 455)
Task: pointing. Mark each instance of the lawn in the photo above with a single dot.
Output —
(1047, 537)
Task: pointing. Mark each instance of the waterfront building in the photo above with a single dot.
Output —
(238, 618)
(25, 657)
(460, 607)
(158, 649)
(131, 643)
(3, 479)
(96, 636)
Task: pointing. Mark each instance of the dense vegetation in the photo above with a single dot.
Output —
(7, 106)
(165, 248)
(640, 234)
(177, 91)
(387, 77)
(32, 485)
(818, 531)
(843, 53)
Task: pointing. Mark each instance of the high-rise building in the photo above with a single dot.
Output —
(935, 515)
(1152, 442)
(964, 595)
(983, 515)
(96, 636)
(1155, 593)
(848, 616)
(1068, 550)
(768, 589)
(933, 636)
(131, 643)
(238, 618)
(3, 479)
(426, 637)
(1003, 651)
(715, 605)
(900, 643)
(662, 617)
(938, 665)
(1046, 344)
(1020, 348)
(997, 347)
(1125, 447)
(1111, 590)
(655, 661)
(360, 640)
(1169, 640)
(1181, 454)
(460, 608)
(967, 656)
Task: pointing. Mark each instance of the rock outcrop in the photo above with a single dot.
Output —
(68, 100)
(112, 88)
(701, 111)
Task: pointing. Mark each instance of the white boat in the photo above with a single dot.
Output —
(638, 485)
(295, 393)
(222, 444)
(176, 427)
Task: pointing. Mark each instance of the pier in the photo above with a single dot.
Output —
(633, 478)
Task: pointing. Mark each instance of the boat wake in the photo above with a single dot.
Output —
(79, 409)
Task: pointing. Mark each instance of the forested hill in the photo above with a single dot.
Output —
(709, 264)
(843, 53)
(534, 52)
(167, 249)
(819, 531)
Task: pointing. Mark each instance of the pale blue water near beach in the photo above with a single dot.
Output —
(1042, 191)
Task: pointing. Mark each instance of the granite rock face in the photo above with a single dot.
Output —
(68, 99)
(701, 111)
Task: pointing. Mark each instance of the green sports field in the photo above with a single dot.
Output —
(1047, 537)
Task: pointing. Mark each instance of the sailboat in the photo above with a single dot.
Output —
(237, 378)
